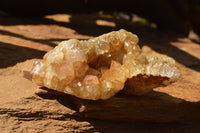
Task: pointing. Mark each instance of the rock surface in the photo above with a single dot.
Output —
(26, 108)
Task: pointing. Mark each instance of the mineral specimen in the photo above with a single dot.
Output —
(100, 67)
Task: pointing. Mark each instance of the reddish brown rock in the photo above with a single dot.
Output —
(21, 110)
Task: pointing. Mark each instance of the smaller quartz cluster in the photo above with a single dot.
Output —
(98, 68)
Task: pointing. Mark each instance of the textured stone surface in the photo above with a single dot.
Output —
(21, 110)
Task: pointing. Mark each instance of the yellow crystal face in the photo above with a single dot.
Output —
(98, 68)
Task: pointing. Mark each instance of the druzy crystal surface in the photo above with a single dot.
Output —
(98, 68)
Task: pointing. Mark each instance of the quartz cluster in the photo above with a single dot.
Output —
(100, 67)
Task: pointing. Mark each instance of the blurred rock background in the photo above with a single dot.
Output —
(178, 15)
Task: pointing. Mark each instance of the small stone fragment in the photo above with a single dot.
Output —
(100, 67)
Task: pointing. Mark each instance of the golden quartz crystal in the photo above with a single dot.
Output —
(98, 68)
